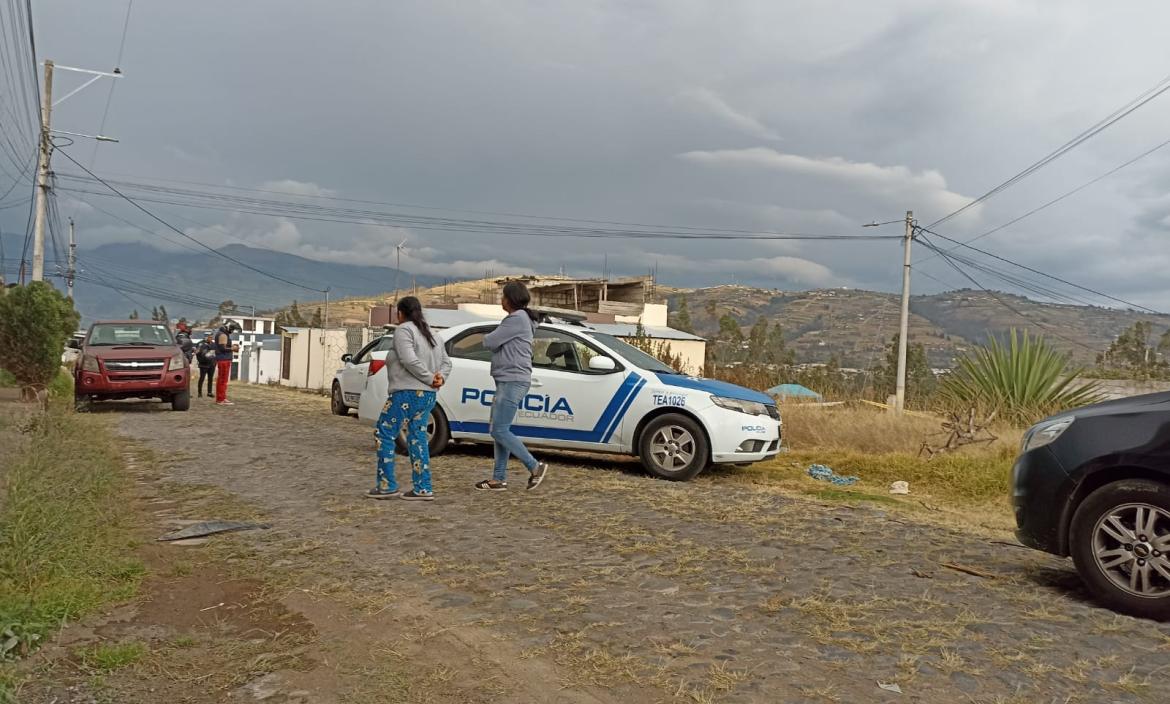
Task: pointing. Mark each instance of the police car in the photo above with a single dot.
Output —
(590, 391)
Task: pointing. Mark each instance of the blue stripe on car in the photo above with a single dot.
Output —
(607, 424)
(621, 414)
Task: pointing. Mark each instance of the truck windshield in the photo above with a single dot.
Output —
(130, 334)
(632, 354)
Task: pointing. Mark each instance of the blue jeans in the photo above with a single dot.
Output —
(414, 409)
(505, 405)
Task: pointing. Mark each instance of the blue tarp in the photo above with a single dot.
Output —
(793, 391)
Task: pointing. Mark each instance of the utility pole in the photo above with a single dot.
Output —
(72, 261)
(904, 326)
(42, 195)
(327, 288)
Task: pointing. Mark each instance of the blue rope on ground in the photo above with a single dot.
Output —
(820, 471)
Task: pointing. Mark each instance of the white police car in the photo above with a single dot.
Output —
(590, 391)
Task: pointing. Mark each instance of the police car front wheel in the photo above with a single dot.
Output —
(674, 447)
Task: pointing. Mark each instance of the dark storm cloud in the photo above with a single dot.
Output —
(811, 117)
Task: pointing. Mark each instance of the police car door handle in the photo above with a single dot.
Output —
(537, 382)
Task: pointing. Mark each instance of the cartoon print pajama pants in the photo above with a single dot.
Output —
(412, 409)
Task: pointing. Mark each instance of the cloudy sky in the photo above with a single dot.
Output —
(747, 114)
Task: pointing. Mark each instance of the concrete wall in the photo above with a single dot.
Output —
(653, 314)
(1123, 388)
(314, 357)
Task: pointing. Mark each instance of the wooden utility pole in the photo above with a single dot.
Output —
(904, 326)
(72, 274)
(42, 195)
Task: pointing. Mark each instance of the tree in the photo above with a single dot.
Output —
(228, 306)
(134, 314)
(295, 319)
(35, 322)
(1021, 381)
(162, 313)
(758, 339)
(712, 311)
(154, 313)
(682, 318)
(729, 330)
(777, 350)
(316, 320)
(920, 381)
(1134, 353)
(280, 320)
(659, 349)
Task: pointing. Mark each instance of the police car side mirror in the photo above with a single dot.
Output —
(346, 357)
(602, 364)
(73, 345)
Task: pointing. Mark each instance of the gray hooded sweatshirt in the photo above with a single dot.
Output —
(511, 346)
(415, 361)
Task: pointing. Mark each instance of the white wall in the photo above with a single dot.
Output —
(315, 357)
(653, 315)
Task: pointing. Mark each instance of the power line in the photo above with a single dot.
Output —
(947, 258)
(410, 206)
(984, 252)
(1158, 89)
(1058, 199)
(316, 213)
(184, 234)
(113, 84)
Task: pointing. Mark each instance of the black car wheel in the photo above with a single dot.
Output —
(1120, 542)
(438, 434)
(337, 401)
(181, 401)
(674, 447)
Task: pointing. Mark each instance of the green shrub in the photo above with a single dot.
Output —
(1021, 382)
(35, 322)
(64, 528)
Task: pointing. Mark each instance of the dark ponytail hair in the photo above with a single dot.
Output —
(410, 309)
(517, 296)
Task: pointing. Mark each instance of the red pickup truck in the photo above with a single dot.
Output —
(131, 359)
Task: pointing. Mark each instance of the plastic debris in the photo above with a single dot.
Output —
(900, 488)
(890, 687)
(820, 471)
(199, 530)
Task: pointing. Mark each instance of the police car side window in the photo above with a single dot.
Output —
(363, 355)
(470, 346)
(552, 349)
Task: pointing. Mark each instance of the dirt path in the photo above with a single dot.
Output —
(607, 586)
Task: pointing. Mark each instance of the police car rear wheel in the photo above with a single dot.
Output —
(337, 401)
(438, 435)
(674, 447)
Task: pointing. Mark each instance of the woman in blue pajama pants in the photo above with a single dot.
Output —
(417, 369)
(412, 408)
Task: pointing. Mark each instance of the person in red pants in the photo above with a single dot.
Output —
(224, 349)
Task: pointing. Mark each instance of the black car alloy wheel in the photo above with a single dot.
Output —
(1121, 546)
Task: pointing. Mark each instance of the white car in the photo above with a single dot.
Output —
(590, 391)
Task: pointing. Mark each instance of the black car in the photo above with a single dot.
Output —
(1094, 483)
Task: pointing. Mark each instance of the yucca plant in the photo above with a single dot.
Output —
(1020, 381)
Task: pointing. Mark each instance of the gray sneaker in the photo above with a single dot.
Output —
(537, 475)
(379, 493)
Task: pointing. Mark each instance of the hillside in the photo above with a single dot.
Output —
(150, 276)
(856, 325)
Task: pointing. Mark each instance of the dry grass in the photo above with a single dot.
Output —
(970, 485)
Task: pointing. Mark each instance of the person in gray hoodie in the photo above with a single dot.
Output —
(416, 371)
(511, 346)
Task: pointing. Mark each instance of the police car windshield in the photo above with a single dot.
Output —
(632, 354)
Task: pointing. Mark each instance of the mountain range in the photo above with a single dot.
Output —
(115, 279)
(855, 326)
